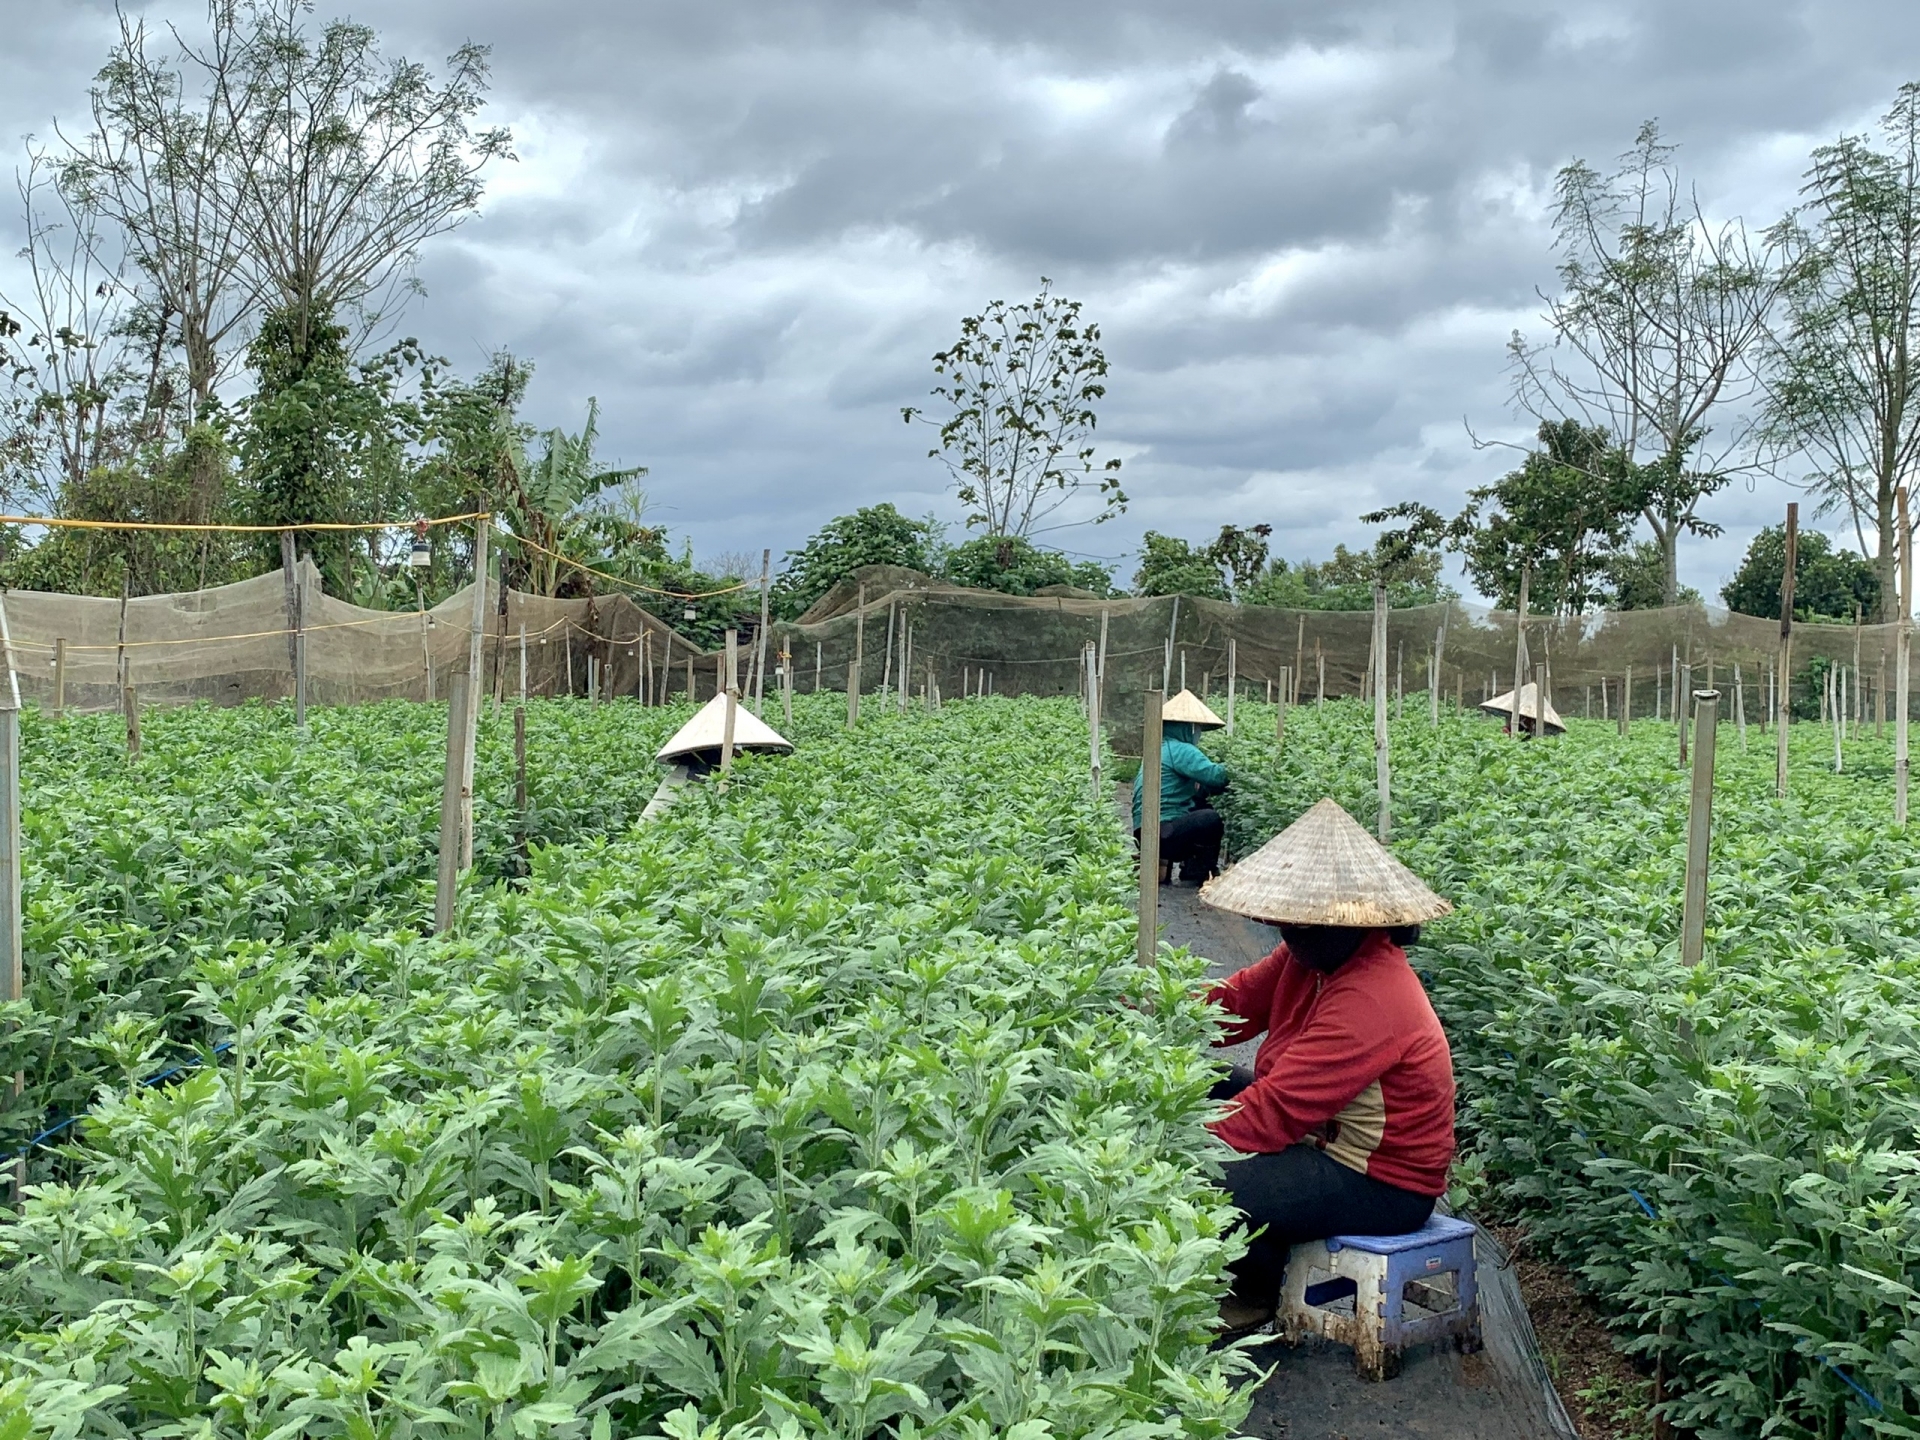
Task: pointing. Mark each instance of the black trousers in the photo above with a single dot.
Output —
(1300, 1194)
(1192, 841)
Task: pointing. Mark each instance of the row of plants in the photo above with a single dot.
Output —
(231, 827)
(829, 1104)
(1727, 1155)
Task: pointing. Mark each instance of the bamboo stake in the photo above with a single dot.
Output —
(1626, 700)
(786, 687)
(819, 653)
(1147, 944)
(523, 664)
(1320, 664)
(1784, 666)
(1740, 706)
(295, 647)
(1682, 710)
(59, 677)
(1693, 909)
(1173, 630)
(1381, 766)
(1100, 671)
(1399, 678)
(1280, 709)
(1299, 658)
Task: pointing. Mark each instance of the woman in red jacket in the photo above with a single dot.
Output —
(1345, 1121)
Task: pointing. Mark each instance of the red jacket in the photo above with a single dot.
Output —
(1354, 1062)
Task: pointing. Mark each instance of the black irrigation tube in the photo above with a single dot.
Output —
(161, 1077)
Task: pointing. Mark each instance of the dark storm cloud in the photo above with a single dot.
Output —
(1306, 229)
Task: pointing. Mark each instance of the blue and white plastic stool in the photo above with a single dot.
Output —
(1381, 1294)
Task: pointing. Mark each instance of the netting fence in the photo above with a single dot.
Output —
(245, 640)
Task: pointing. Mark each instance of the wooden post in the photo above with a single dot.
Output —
(1320, 664)
(733, 700)
(819, 653)
(1783, 686)
(760, 640)
(1539, 702)
(476, 671)
(520, 775)
(1100, 669)
(1399, 679)
(1166, 666)
(786, 686)
(1147, 948)
(1280, 705)
(859, 658)
(1626, 700)
(60, 677)
(1693, 909)
(523, 664)
(295, 649)
(1880, 697)
(1092, 659)
(886, 663)
(690, 678)
(1299, 657)
(1740, 705)
(1902, 663)
(644, 685)
(13, 976)
(1520, 649)
(130, 709)
(447, 873)
(1836, 697)
(1381, 778)
(1233, 677)
(12, 972)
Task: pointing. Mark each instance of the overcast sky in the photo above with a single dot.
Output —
(1306, 229)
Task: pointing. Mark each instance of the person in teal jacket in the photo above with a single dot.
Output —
(1190, 828)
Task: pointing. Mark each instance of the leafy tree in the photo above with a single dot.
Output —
(1022, 382)
(1345, 582)
(1843, 378)
(1171, 566)
(1659, 313)
(1636, 579)
(1016, 566)
(1827, 583)
(1565, 512)
(543, 500)
(1241, 553)
(873, 535)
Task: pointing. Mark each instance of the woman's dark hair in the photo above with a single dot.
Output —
(1404, 935)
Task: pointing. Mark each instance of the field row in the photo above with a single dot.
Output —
(1728, 1154)
(828, 1102)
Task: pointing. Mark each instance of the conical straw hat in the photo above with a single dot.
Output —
(707, 731)
(1529, 707)
(1325, 870)
(1192, 709)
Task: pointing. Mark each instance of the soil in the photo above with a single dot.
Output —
(1605, 1393)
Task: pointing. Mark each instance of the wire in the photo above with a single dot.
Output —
(620, 580)
(58, 522)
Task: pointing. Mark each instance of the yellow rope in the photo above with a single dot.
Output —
(61, 523)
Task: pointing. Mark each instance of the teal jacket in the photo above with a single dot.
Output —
(1186, 774)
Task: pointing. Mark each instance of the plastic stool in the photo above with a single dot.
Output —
(1381, 1294)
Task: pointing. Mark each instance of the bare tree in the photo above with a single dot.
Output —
(351, 161)
(1658, 317)
(162, 164)
(1022, 381)
(1843, 378)
(69, 355)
